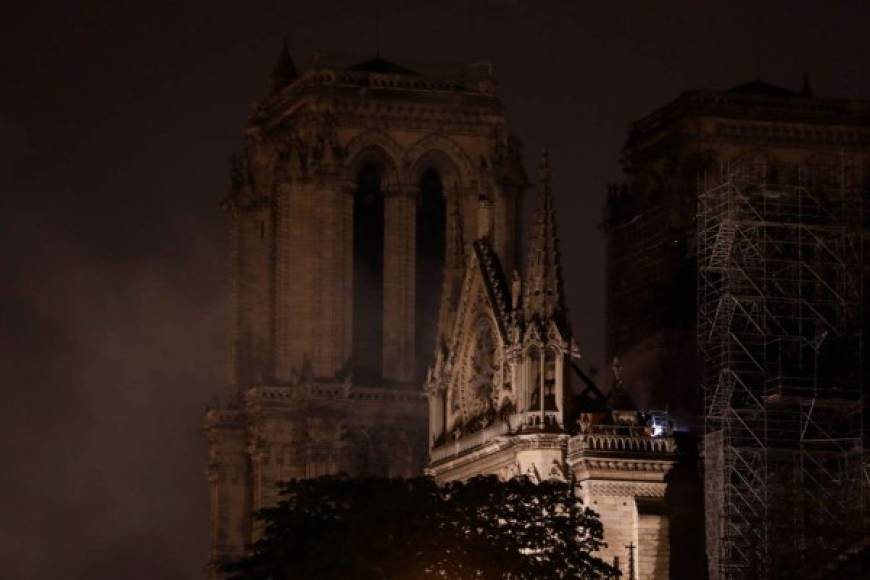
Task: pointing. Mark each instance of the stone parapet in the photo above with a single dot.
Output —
(620, 441)
(334, 391)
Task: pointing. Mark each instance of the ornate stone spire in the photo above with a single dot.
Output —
(542, 292)
(284, 71)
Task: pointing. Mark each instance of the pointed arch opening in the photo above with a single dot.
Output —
(551, 402)
(368, 275)
(533, 380)
(431, 229)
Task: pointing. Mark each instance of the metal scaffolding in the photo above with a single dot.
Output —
(780, 280)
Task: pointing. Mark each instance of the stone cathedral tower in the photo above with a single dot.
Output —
(352, 212)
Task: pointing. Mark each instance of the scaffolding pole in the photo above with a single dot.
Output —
(780, 281)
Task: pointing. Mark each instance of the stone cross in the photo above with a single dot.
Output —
(631, 548)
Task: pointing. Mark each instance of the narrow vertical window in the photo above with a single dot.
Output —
(368, 276)
(550, 403)
(431, 234)
(533, 357)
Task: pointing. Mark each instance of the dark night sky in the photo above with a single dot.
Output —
(117, 121)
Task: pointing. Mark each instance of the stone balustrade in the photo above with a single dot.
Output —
(332, 391)
(620, 439)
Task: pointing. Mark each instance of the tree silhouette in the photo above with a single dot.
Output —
(337, 527)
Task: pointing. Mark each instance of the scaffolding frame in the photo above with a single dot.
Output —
(780, 282)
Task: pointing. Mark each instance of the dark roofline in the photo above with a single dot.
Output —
(379, 65)
(759, 88)
(756, 100)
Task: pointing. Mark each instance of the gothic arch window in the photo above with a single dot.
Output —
(533, 365)
(368, 275)
(550, 403)
(431, 222)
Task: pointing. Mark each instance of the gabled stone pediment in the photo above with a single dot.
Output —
(532, 336)
(484, 293)
(470, 369)
(554, 335)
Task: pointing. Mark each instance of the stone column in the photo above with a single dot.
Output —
(542, 377)
(281, 299)
(228, 486)
(518, 380)
(346, 265)
(436, 414)
(433, 417)
(259, 458)
(653, 535)
(560, 388)
(253, 293)
(233, 377)
(399, 280)
(529, 364)
(333, 288)
(296, 251)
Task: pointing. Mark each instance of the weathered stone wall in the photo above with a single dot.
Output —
(229, 487)
(635, 524)
(306, 205)
(298, 412)
(653, 542)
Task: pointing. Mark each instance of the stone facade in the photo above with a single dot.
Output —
(303, 403)
(621, 470)
(651, 258)
(356, 185)
(670, 291)
(501, 402)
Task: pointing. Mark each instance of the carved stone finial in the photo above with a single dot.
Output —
(284, 71)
